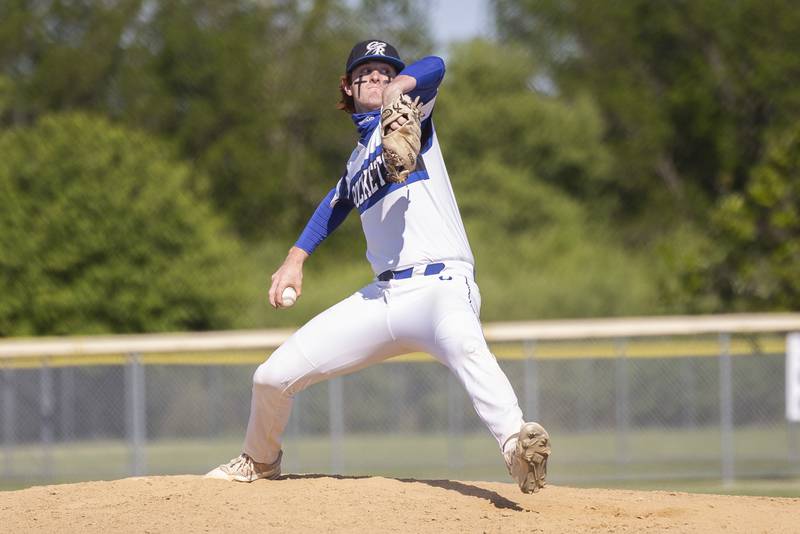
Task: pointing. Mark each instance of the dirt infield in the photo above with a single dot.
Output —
(305, 503)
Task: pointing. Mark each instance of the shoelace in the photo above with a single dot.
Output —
(242, 464)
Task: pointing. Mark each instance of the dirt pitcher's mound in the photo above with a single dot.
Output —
(315, 503)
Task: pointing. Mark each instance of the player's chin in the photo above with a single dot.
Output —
(371, 105)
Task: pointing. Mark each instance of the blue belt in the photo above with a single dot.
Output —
(431, 268)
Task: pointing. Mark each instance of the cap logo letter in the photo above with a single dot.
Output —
(376, 48)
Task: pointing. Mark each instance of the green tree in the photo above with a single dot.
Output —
(528, 169)
(687, 89)
(752, 259)
(690, 93)
(99, 233)
(490, 112)
(245, 89)
(62, 55)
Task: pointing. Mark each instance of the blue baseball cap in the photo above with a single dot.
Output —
(374, 50)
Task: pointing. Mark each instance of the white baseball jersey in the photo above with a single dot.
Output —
(405, 224)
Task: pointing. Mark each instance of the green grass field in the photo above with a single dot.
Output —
(677, 461)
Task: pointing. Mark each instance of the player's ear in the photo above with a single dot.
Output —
(346, 87)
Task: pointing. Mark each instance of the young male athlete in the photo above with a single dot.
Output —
(424, 297)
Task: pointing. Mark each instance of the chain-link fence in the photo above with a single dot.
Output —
(618, 408)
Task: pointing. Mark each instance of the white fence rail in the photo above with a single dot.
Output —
(494, 332)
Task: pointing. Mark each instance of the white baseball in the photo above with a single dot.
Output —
(289, 297)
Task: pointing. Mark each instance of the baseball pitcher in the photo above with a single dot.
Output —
(424, 296)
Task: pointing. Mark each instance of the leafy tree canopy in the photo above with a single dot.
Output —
(688, 89)
(99, 233)
(528, 169)
(751, 260)
(245, 89)
(700, 102)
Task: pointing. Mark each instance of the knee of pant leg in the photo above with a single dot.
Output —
(268, 376)
(284, 371)
(272, 374)
(460, 334)
(475, 349)
(470, 346)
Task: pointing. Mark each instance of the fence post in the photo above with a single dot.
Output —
(689, 379)
(585, 376)
(136, 413)
(46, 407)
(792, 394)
(531, 381)
(726, 410)
(455, 443)
(9, 420)
(622, 404)
(215, 400)
(293, 463)
(67, 403)
(336, 407)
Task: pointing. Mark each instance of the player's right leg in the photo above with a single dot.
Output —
(449, 323)
(345, 338)
(525, 446)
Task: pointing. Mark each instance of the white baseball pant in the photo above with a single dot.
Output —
(437, 314)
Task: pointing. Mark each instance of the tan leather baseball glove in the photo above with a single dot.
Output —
(401, 143)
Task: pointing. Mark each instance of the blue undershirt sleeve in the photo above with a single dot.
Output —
(323, 222)
(429, 73)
